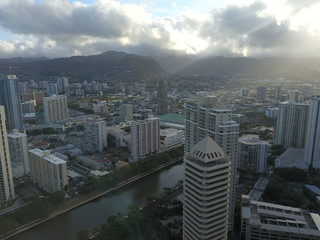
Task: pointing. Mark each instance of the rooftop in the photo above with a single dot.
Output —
(292, 158)
(172, 118)
(47, 156)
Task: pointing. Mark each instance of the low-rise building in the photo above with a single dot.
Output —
(170, 138)
(260, 220)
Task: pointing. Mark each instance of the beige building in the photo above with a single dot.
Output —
(206, 192)
(48, 171)
(6, 180)
(55, 108)
(205, 117)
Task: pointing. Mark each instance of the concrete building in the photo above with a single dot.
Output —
(10, 98)
(272, 112)
(292, 158)
(261, 93)
(294, 95)
(260, 220)
(62, 84)
(101, 107)
(170, 138)
(306, 92)
(95, 135)
(277, 92)
(252, 154)
(37, 96)
(48, 171)
(292, 122)
(162, 96)
(312, 152)
(18, 146)
(145, 138)
(122, 137)
(55, 108)
(6, 180)
(244, 92)
(52, 89)
(206, 192)
(126, 112)
(28, 107)
(204, 117)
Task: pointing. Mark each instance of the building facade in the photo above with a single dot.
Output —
(277, 92)
(95, 135)
(206, 192)
(55, 108)
(292, 126)
(47, 170)
(145, 138)
(261, 93)
(260, 220)
(204, 117)
(162, 96)
(11, 100)
(312, 151)
(18, 146)
(126, 112)
(6, 179)
(252, 154)
(170, 138)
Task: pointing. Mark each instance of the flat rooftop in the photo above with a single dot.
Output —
(51, 158)
(292, 158)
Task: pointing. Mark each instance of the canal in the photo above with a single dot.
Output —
(95, 213)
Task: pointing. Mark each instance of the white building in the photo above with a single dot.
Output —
(18, 153)
(145, 137)
(52, 89)
(101, 107)
(126, 112)
(312, 152)
(171, 137)
(272, 112)
(95, 135)
(292, 122)
(48, 171)
(277, 92)
(252, 154)
(122, 137)
(204, 117)
(294, 95)
(62, 84)
(6, 180)
(244, 92)
(55, 108)
(206, 192)
(260, 220)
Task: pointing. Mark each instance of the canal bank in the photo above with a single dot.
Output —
(67, 223)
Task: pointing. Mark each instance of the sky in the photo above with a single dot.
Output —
(249, 28)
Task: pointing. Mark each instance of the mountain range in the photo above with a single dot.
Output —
(120, 65)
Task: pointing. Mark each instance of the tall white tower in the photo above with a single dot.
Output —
(55, 108)
(204, 117)
(206, 192)
(312, 152)
(6, 181)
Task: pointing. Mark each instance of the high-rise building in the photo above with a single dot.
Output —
(11, 101)
(6, 180)
(252, 154)
(37, 96)
(18, 153)
(292, 126)
(47, 170)
(162, 96)
(312, 151)
(95, 135)
(244, 92)
(62, 84)
(261, 93)
(204, 117)
(294, 95)
(306, 92)
(52, 89)
(126, 112)
(145, 137)
(28, 107)
(277, 92)
(206, 192)
(55, 108)
(101, 107)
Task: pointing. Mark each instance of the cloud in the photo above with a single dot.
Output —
(59, 28)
